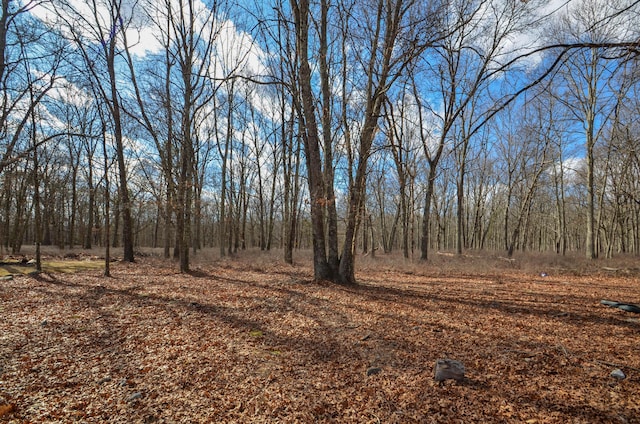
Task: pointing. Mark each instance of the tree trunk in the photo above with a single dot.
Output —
(125, 201)
(107, 203)
(88, 236)
(223, 172)
(329, 195)
(590, 241)
(322, 270)
(426, 214)
(36, 197)
(373, 237)
(460, 212)
(73, 207)
(185, 183)
(346, 270)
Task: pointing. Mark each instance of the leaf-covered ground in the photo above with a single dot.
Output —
(244, 343)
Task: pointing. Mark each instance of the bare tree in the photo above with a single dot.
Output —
(394, 36)
(155, 110)
(107, 202)
(535, 139)
(30, 59)
(476, 50)
(306, 108)
(279, 45)
(224, 151)
(194, 59)
(196, 28)
(96, 37)
(401, 133)
(593, 26)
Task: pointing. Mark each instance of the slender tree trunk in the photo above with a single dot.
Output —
(290, 241)
(73, 207)
(156, 226)
(88, 236)
(373, 237)
(261, 209)
(378, 72)
(169, 208)
(393, 234)
(116, 222)
(272, 204)
(346, 271)
(288, 207)
(223, 172)
(36, 195)
(395, 137)
(107, 205)
(590, 247)
(347, 259)
(525, 208)
(125, 201)
(460, 213)
(365, 233)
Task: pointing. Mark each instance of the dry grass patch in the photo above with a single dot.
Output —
(51, 266)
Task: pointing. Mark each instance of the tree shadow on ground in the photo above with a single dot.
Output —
(346, 337)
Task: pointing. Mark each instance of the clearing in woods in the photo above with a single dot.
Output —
(252, 340)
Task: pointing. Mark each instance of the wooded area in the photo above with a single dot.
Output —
(346, 127)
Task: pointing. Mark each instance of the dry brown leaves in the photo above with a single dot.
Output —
(232, 343)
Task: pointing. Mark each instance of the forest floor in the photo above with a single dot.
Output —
(252, 340)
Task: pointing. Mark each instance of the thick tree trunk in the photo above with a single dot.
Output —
(330, 204)
(322, 270)
(426, 215)
(185, 183)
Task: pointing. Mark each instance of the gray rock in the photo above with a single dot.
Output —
(618, 374)
(448, 369)
(373, 371)
(135, 396)
(629, 308)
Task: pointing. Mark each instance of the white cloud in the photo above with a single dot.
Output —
(146, 22)
(143, 41)
(67, 92)
(571, 169)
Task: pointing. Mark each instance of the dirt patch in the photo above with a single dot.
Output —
(263, 343)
